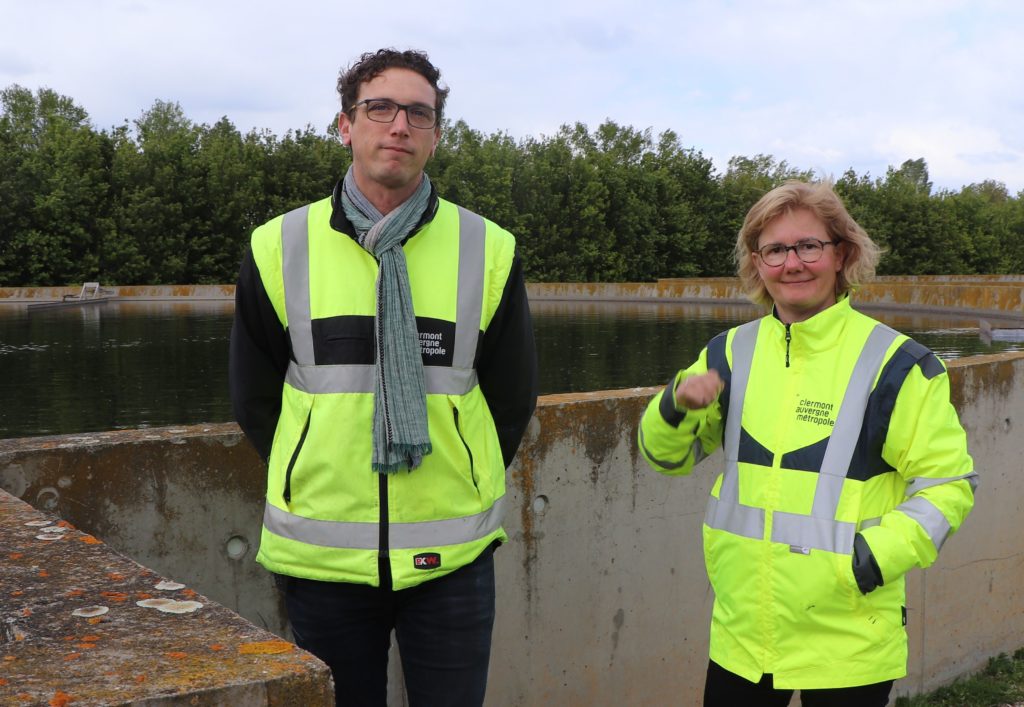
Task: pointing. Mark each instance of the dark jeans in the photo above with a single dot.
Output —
(443, 629)
(726, 689)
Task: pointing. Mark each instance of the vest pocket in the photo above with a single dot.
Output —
(295, 455)
(469, 452)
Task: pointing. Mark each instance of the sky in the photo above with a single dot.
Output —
(825, 85)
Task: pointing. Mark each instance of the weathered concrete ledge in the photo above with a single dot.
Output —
(119, 652)
(995, 296)
(138, 293)
(998, 296)
(602, 594)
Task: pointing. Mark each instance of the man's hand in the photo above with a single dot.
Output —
(698, 392)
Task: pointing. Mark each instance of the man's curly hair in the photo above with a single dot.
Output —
(373, 64)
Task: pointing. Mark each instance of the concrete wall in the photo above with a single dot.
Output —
(603, 599)
(984, 294)
(993, 296)
(28, 295)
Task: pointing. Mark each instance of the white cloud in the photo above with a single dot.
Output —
(951, 148)
(825, 85)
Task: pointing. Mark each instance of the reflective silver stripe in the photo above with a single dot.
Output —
(295, 271)
(870, 522)
(804, 533)
(471, 288)
(699, 454)
(449, 381)
(928, 517)
(366, 536)
(743, 343)
(725, 512)
(972, 479)
(303, 373)
(355, 536)
(664, 464)
(331, 379)
(735, 518)
(850, 418)
(360, 379)
(821, 530)
(454, 531)
(921, 483)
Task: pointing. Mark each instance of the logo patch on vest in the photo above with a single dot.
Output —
(437, 341)
(816, 412)
(427, 561)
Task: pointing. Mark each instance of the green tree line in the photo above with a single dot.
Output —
(164, 200)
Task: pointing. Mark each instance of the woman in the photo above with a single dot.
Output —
(845, 466)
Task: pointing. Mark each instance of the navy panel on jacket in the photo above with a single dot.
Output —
(867, 456)
(718, 362)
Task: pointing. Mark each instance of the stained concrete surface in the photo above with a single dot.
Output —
(127, 654)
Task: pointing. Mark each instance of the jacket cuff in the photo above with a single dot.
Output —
(667, 404)
(865, 568)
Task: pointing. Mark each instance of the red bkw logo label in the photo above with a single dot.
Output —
(426, 561)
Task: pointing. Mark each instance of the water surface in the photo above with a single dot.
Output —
(126, 365)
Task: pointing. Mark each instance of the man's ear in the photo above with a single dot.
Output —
(344, 129)
(437, 139)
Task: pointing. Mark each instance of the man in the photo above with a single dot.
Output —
(383, 363)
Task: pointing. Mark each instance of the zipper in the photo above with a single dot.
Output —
(383, 550)
(789, 338)
(379, 353)
(295, 456)
(469, 452)
(383, 553)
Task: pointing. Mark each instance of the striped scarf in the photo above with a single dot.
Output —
(400, 435)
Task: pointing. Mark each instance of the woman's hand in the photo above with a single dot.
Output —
(698, 392)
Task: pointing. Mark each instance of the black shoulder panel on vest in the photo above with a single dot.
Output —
(718, 361)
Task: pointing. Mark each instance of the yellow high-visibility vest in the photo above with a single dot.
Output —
(328, 516)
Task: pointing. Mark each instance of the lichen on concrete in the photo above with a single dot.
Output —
(57, 646)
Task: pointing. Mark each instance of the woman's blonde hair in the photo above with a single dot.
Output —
(860, 253)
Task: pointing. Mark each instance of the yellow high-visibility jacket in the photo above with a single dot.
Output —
(830, 427)
(328, 516)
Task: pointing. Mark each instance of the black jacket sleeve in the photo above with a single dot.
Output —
(507, 364)
(258, 359)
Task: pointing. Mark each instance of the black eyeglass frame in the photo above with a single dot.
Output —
(796, 249)
(398, 106)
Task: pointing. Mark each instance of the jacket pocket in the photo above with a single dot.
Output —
(295, 456)
(873, 614)
(469, 452)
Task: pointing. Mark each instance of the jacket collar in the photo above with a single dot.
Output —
(821, 331)
(341, 224)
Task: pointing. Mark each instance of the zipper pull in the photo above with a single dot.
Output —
(789, 337)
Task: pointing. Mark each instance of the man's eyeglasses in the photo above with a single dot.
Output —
(808, 250)
(383, 110)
